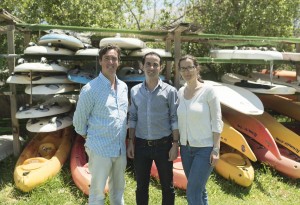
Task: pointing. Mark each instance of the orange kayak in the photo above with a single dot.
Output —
(79, 166)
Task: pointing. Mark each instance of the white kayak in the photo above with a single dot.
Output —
(246, 54)
(257, 86)
(40, 67)
(49, 89)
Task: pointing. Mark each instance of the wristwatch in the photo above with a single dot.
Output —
(216, 150)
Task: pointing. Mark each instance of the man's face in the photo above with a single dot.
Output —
(109, 62)
(152, 66)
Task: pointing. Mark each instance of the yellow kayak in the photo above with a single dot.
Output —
(236, 140)
(42, 158)
(235, 167)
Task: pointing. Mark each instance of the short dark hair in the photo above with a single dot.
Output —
(103, 50)
(151, 53)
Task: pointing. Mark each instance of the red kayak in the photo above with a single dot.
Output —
(179, 178)
(288, 165)
(79, 166)
(252, 127)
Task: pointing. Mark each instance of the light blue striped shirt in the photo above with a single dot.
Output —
(101, 115)
(153, 114)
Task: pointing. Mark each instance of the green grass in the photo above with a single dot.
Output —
(268, 188)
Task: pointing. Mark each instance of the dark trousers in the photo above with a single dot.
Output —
(145, 154)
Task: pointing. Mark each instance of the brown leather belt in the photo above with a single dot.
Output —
(152, 143)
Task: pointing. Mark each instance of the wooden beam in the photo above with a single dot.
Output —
(169, 63)
(13, 100)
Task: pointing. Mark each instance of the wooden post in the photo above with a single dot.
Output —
(298, 67)
(13, 100)
(169, 63)
(177, 51)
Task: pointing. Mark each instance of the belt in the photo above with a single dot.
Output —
(152, 143)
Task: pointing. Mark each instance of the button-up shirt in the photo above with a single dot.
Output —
(153, 113)
(101, 115)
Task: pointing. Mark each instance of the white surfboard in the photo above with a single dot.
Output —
(237, 98)
(143, 51)
(61, 40)
(246, 54)
(54, 106)
(49, 89)
(38, 79)
(276, 79)
(258, 86)
(49, 124)
(291, 56)
(123, 42)
(80, 76)
(40, 67)
(87, 52)
(46, 50)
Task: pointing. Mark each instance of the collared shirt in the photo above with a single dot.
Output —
(153, 114)
(101, 115)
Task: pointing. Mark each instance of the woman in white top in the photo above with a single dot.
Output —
(200, 124)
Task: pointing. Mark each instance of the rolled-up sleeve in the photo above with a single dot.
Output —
(82, 112)
(216, 114)
(173, 104)
(132, 117)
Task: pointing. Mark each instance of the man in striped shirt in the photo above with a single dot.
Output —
(100, 117)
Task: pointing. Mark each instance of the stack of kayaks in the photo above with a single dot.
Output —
(42, 158)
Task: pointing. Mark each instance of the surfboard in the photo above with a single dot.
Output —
(246, 54)
(80, 76)
(236, 168)
(123, 42)
(288, 165)
(281, 105)
(54, 106)
(61, 40)
(257, 86)
(38, 79)
(237, 98)
(141, 52)
(46, 50)
(87, 52)
(40, 67)
(291, 56)
(281, 134)
(236, 140)
(6, 145)
(49, 89)
(49, 124)
(276, 79)
(249, 125)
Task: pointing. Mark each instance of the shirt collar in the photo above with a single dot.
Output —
(106, 81)
(159, 84)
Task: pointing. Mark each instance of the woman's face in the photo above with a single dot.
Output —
(188, 70)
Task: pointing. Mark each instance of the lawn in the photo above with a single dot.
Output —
(268, 188)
